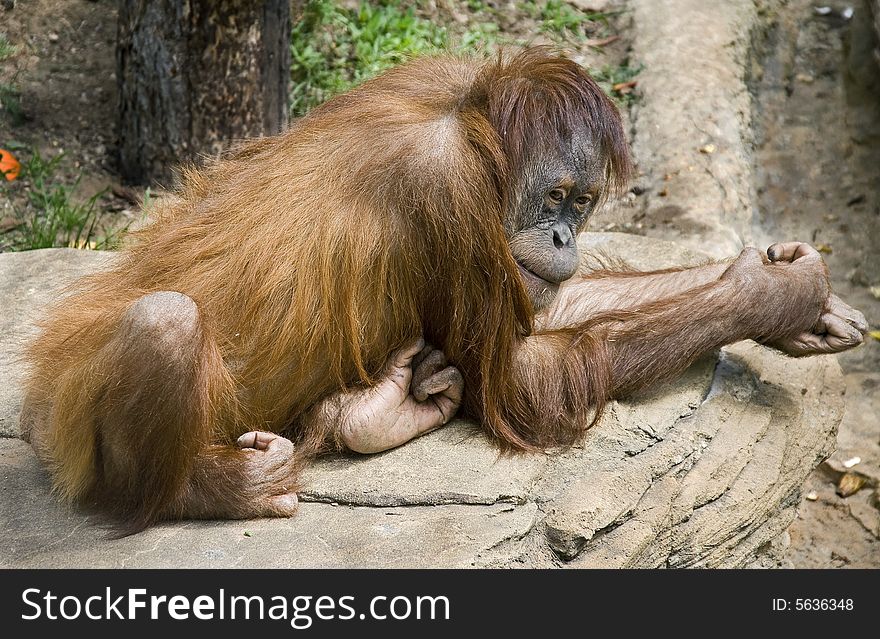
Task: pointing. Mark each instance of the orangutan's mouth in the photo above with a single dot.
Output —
(532, 277)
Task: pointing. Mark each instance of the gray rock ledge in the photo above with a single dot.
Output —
(701, 472)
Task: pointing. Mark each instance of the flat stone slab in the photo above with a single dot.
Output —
(38, 532)
(28, 282)
(700, 472)
(453, 465)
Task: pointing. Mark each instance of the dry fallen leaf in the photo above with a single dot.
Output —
(875, 335)
(624, 87)
(850, 484)
(824, 248)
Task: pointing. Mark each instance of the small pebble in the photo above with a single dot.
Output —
(850, 484)
(812, 495)
(53, 37)
(852, 461)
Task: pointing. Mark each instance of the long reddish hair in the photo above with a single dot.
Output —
(314, 254)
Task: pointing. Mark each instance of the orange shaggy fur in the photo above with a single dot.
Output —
(314, 254)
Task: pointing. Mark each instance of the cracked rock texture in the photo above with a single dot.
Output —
(704, 471)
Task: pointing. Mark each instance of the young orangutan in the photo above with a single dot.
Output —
(281, 304)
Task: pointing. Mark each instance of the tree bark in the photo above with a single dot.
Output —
(193, 76)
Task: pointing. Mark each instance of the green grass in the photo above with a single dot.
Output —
(10, 103)
(51, 216)
(608, 77)
(9, 93)
(558, 17)
(562, 22)
(335, 47)
(7, 49)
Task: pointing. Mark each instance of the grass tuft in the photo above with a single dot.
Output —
(9, 93)
(7, 49)
(616, 82)
(51, 216)
(336, 46)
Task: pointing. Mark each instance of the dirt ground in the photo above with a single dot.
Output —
(64, 69)
(817, 166)
(817, 88)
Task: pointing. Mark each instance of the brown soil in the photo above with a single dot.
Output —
(64, 69)
(818, 179)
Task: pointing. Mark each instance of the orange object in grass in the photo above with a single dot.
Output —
(9, 166)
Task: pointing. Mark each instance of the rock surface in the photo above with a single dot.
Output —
(875, 13)
(28, 282)
(701, 472)
(692, 127)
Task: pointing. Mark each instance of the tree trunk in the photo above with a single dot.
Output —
(194, 75)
